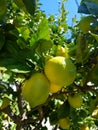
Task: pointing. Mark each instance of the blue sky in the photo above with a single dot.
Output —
(51, 7)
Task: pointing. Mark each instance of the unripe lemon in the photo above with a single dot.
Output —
(54, 88)
(5, 103)
(75, 100)
(64, 123)
(36, 89)
(60, 71)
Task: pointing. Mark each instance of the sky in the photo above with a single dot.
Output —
(51, 7)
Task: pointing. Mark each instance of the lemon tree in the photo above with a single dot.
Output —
(48, 68)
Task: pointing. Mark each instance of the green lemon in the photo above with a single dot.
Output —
(60, 71)
(64, 123)
(75, 100)
(5, 102)
(36, 89)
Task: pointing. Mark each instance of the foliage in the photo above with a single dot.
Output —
(27, 40)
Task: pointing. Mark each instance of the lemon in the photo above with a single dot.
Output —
(62, 51)
(84, 127)
(84, 24)
(64, 123)
(60, 71)
(5, 103)
(95, 113)
(36, 89)
(54, 88)
(75, 100)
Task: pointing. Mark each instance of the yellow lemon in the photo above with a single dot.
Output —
(84, 127)
(36, 89)
(60, 71)
(75, 100)
(54, 88)
(64, 123)
(62, 51)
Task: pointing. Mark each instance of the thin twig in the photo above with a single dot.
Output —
(19, 90)
(9, 112)
(77, 3)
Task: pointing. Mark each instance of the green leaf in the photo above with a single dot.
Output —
(30, 6)
(42, 34)
(43, 30)
(26, 5)
(2, 38)
(64, 110)
(3, 9)
(24, 31)
(21, 62)
(53, 118)
(44, 45)
(95, 36)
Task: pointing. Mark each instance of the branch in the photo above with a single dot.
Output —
(9, 112)
(19, 90)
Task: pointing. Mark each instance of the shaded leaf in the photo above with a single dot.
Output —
(26, 5)
(2, 38)
(88, 8)
(64, 110)
(3, 9)
(83, 9)
(30, 5)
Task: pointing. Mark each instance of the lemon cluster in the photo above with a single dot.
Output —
(58, 72)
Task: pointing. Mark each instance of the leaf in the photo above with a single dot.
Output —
(24, 31)
(64, 110)
(43, 30)
(53, 118)
(44, 45)
(83, 9)
(18, 63)
(2, 38)
(3, 9)
(88, 8)
(95, 36)
(30, 6)
(42, 33)
(82, 50)
(26, 5)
